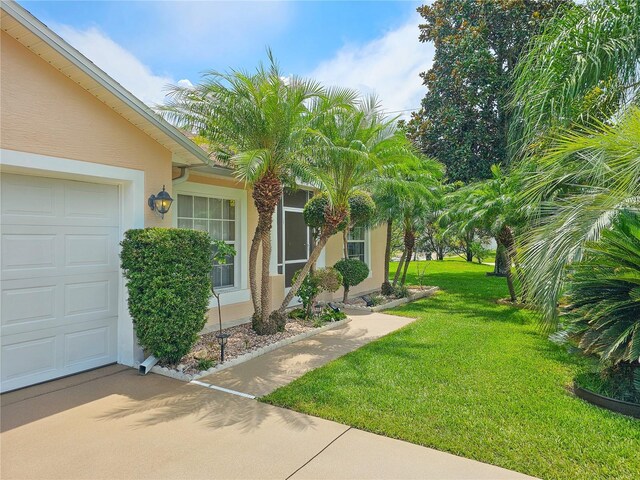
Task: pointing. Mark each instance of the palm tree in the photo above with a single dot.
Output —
(575, 128)
(604, 294)
(259, 124)
(395, 182)
(581, 184)
(493, 205)
(350, 148)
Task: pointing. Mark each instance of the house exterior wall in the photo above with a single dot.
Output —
(44, 112)
(235, 312)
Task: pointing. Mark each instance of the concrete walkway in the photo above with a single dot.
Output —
(113, 424)
(264, 374)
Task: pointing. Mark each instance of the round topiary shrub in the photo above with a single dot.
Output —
(353, 272)
(315, 212)
(168, 274)
(362, 209)
(328, 279)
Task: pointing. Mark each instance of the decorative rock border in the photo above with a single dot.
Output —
(618, 406)
(187, 377)
(393, 303)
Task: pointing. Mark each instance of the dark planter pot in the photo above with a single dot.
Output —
(618, 406)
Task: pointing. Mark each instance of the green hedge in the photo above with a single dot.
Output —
(168, 274)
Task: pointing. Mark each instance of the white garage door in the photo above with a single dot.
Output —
(59, 283)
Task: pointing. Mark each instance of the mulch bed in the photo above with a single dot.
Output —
(242, 340)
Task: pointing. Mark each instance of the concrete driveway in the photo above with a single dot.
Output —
(112, 423)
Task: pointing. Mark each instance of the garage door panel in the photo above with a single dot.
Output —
(30, 357)
(27, 198)
(60, 278)
(40, 355)
(35, 305)
(90, 202)
(87, 298)
(27, 252)
(39, 303)
(88, 345)
(43, 201)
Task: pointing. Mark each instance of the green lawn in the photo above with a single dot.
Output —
(475, 379)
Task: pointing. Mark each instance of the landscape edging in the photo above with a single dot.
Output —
(394, 303)
(187, 377)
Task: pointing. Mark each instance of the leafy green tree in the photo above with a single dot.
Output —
(463, 119)
(259, 124)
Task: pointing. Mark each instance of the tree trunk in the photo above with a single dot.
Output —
(467, 247)
(505, 237)
(500, 267)
(345, 242)
(253, 263)
(333, 218)
(406, 267)
(386, 286)
(345, 295)
(315, 253)
(400, 265)
(266, 194)
(409, 244)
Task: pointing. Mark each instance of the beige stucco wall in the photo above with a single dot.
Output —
(42, 111)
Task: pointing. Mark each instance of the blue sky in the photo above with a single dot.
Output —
(144, 45)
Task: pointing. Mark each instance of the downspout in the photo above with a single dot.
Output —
(183, 177)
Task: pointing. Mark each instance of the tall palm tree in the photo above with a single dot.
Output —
(575, 131)
(259, 124)
(350, 148)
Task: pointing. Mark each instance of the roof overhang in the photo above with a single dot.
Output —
(44, 42)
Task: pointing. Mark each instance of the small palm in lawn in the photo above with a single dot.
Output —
(603, 294)
(415, 176)
(493, 206)
(259, 124)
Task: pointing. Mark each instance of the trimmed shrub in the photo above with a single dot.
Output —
(329, 279)
(353, 272)
(362, 209)
(322, 280)
(168, 274)
(315, 211)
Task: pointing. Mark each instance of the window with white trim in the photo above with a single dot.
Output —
(356, 243)
(218, 217)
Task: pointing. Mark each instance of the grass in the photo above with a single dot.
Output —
(475, 379)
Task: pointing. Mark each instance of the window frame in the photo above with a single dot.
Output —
(239, 292)
(366, 241)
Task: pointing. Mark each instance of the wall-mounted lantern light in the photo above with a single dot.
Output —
(160, 203)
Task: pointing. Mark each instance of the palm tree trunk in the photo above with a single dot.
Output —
(315, 253)
(400, 265)
(505, 237)
(345, 242)
(266, 195)
(409, 244)
(386, 286)
(253, 263)
(406, 267)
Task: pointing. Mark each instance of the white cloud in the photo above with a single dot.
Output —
(388, 66)
(119, 63)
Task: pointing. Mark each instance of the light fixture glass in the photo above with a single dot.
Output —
(160, 203)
